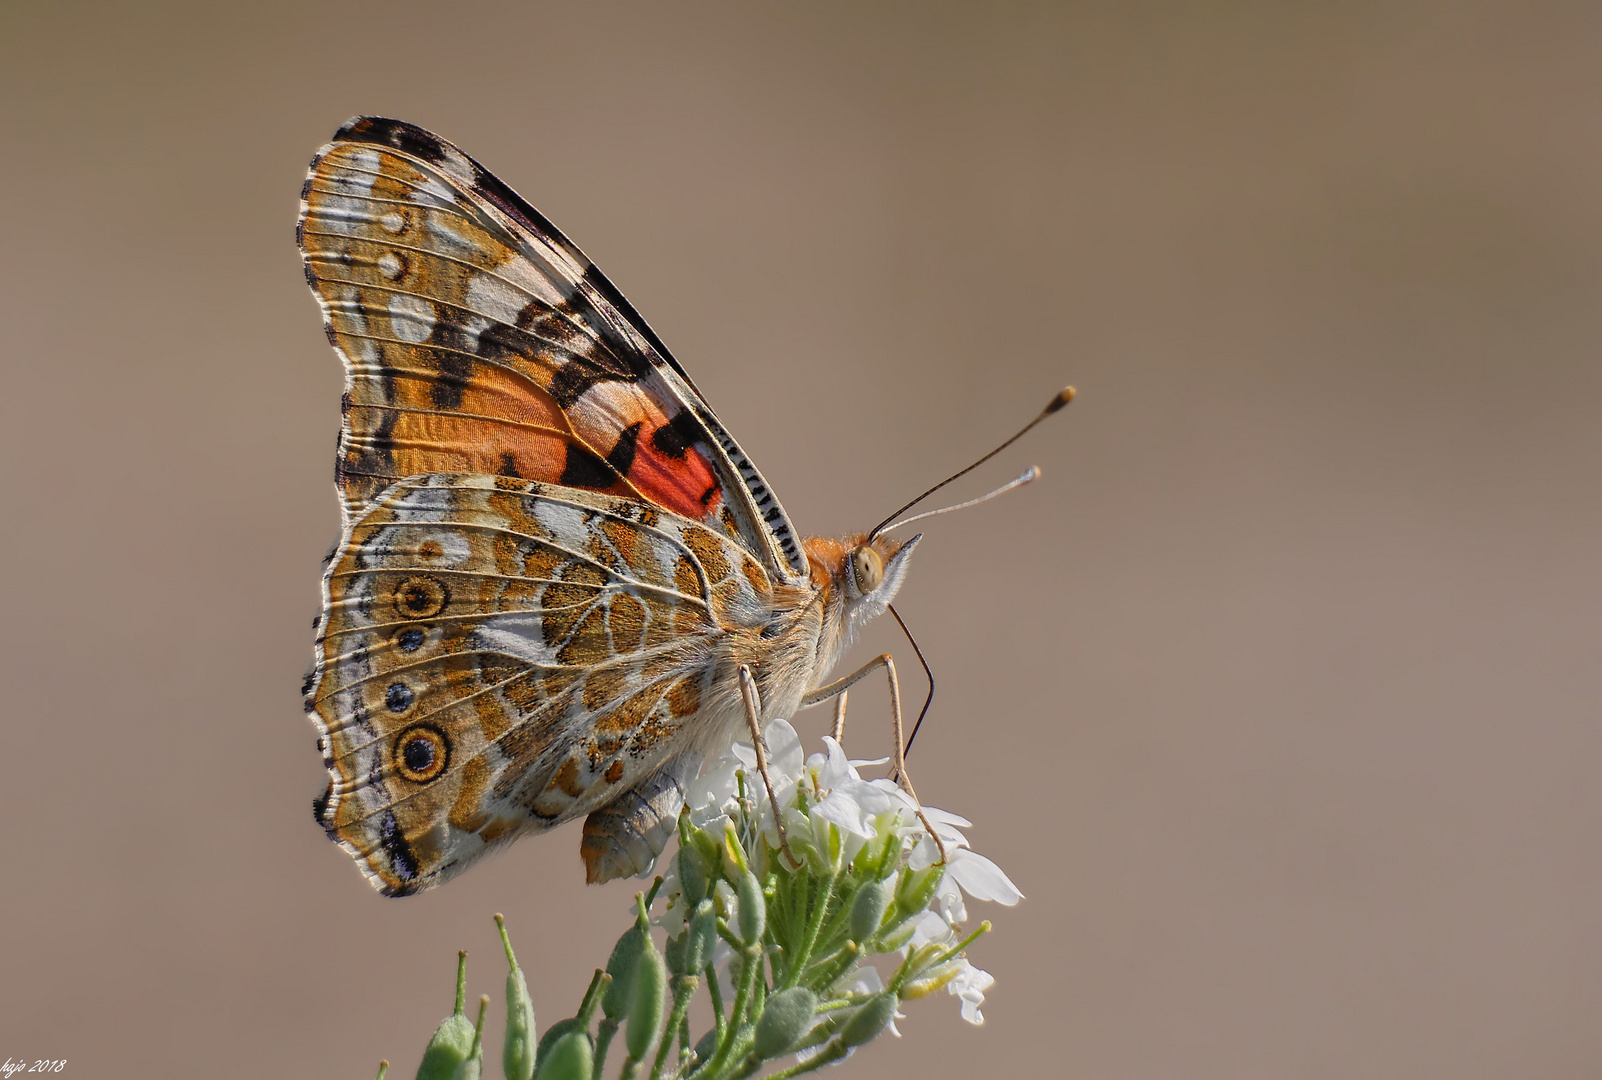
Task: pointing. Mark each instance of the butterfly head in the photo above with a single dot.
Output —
(873, 571)
(859, 576)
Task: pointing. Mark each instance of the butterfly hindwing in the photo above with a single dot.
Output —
(478, 339)
(500, 656)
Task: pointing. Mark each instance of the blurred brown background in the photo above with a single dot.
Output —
(1278, 696)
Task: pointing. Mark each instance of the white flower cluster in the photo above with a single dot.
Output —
(830, 813)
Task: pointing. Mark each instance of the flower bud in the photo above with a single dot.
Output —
(733, 853)
(625, 958)
(569, 1058)
(517, 1053)
(872, 1017)
(784, 1020)
(702, 936)
(706, 1044)
(867, 909)
(753, 909)
(693, 877)
(933, 979)
(646, 1001)
(453, 1039)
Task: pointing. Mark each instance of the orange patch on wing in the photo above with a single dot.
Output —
(467, 812)
(708, 552)
(566, 778)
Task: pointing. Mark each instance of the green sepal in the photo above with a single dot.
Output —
(784, 1020)
(917, 888)
(896, 935)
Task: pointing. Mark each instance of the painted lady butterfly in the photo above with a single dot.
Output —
(556, 567)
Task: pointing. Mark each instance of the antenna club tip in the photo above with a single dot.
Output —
(1061, 399)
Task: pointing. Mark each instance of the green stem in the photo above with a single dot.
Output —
(683, 989)
(750, 963)
(798, 966)
(603, 1039)
(905, 971)
(592, 995)
(828, 1056)
(716, 993)
(827, 972)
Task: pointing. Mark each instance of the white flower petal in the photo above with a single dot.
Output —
(982, 879)
(924, 854)
(944, 817)
(931, 927)
(784, 750)
(843, 811)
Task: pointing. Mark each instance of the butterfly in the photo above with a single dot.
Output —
(560, 583)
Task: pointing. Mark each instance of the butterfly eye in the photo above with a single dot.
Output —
(421, 754)
(867, 569)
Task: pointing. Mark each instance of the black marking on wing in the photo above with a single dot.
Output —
(678, 435)
(401, 857)
(583, 469)
(622, 455)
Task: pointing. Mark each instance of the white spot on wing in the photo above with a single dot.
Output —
(494, 297)
(411, 317)
(518, 634)
(566, 523)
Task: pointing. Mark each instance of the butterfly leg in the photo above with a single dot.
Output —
(837, 690)
(753, 720)
(838, 731)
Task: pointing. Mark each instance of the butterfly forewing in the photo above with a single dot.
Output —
(478, 339)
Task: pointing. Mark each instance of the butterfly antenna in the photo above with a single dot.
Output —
(1054, 405)
(927, 672)
(1029, 474)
